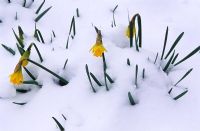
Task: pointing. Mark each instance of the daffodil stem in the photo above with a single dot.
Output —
(51, 72)
(104, 71)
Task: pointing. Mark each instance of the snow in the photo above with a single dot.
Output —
(105, 110)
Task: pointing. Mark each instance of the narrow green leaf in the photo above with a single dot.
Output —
(39, 36)
(64, 117)
(39, 8)
(169, 92)
(131, 100)
(180, 95)
(10, 50)
(24, 4)
(38, 52)
(136, 75)
(59, 125)
(16, 17)
(184, 76)
(21, 104)
(21, 33)
(188, 56)
(54, 35)
(169, 62)
(32, 82)
(23, 90)
(128, 62)
(29, 73)
(87, 72)
(20, 41)
(51, 72)
(109, 78)
(20, 49)
(143, 73)
(165, 43)
(77, 12)
(95, 79)
(42, 14)
(174, 44)
(65, 64)
(156, 58)
(176, 56)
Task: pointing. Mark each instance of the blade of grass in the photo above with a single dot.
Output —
(59, 125)
(165, 43)
(51, 72)
(180, 95)
(184, 76)
(42, 14)
(188, 56)
(95, 79)
(10, 50)
(174, 44)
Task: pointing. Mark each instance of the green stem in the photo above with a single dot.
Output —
(51, 72)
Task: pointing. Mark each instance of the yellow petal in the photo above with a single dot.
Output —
(17, 77)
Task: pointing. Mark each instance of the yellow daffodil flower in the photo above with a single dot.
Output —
(17, 77)
(98, 49)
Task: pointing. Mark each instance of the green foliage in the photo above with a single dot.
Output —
(131, 100)
(58, 124)
(10, 50)
(42, 14)
(88, 74)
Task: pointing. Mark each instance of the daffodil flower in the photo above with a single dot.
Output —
(98, 49)
(17, 77)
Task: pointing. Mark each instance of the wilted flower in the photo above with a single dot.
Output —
(98, 49)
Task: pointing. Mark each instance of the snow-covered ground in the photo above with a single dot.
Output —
(104, 110)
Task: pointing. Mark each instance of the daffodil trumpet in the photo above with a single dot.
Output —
(98, 49)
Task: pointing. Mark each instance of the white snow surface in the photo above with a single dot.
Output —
(105, 110)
